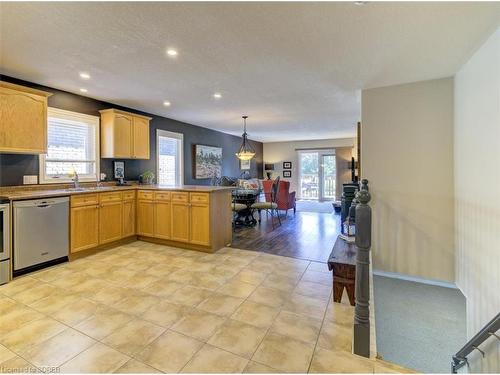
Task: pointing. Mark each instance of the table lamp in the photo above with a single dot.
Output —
(269, 170)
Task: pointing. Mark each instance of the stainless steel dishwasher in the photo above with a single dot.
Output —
(41, 233)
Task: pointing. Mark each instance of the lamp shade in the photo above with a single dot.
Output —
(269, 167)
(246, 151)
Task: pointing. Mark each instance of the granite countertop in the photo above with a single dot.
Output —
(18, 193)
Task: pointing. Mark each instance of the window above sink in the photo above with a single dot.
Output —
(73, 145)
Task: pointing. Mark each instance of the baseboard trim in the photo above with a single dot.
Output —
(415, 279)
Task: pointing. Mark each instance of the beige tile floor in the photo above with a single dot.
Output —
(146, 308)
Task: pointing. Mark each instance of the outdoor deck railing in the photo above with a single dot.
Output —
(309, 188)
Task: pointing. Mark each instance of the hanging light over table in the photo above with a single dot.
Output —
(246, 151)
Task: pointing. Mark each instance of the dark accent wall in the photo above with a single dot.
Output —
(13, 167)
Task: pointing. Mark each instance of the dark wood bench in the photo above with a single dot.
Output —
(342, 263)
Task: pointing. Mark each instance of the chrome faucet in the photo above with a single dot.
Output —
(76, 180)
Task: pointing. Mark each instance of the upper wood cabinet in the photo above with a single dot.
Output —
(23, 119)
(140, 144)
(124, 135)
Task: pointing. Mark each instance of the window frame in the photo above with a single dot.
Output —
(180, 139)
(72, 116)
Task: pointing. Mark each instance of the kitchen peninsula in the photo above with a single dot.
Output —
(187, 216)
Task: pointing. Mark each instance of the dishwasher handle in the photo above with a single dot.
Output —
(44, 205)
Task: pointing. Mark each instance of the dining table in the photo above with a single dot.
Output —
(247, 197)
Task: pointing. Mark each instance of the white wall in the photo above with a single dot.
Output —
(477, 190)
(278, 152)
(407, 156)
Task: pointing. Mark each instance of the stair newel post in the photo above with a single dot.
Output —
(362, 293)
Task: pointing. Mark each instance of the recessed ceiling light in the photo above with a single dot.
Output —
(361, 2)
(172, 52)
(217, 95)
(83, 90)
(84, 75)
(166, 103)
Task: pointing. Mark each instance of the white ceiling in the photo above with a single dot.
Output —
(295, 68)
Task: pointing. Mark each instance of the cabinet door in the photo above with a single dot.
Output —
(145, 218)
(140, 138)
(122, 137)
(110, 222)
(128, 210)
(180, 221)
(200, 224)
(23, 122)
(84, 227)
(163, 223)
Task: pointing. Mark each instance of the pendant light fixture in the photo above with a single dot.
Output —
(246, 151)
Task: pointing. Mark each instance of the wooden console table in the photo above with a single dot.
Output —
(342, 263)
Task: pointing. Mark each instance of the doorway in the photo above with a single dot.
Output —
(317, 174)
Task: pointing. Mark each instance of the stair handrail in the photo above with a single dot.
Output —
(490, 329)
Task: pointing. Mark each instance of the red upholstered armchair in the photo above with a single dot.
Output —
(286, 200)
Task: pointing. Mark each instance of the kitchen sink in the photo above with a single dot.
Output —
(90, 188)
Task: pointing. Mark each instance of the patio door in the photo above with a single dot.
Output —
(317, 174)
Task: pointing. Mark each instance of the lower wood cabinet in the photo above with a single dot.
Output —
(128, 217)
(199, 223)
(172, 216)
(177, 216)
(84, 227)
(101, 218)
(145, 217)
(110, 222)
(163, 220)
(180, 221)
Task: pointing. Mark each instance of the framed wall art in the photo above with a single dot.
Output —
(208, 161)
(245, 165)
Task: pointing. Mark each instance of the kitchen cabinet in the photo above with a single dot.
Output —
(23, 119)
(194, 220)
(84, 226)
(145, 217)
(199, 224)
(124, 135)
(110, 217)
(162, 215)
(140, 138)
(128, 214)
(180, 221)
(178, 216)
(101, 218)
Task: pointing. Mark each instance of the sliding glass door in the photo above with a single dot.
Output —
(309, 175)
(317, 174)
(328, 176)
(169, 148)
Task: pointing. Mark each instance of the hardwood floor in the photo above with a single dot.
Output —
(307, 235)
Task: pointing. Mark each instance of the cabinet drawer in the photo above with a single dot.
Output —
(178, 196)
(162, 196)
(199, 197)
(84, 200)
(145, 195)
(110, 197)
(128, 195)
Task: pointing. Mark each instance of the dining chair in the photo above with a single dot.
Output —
(271, 203)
